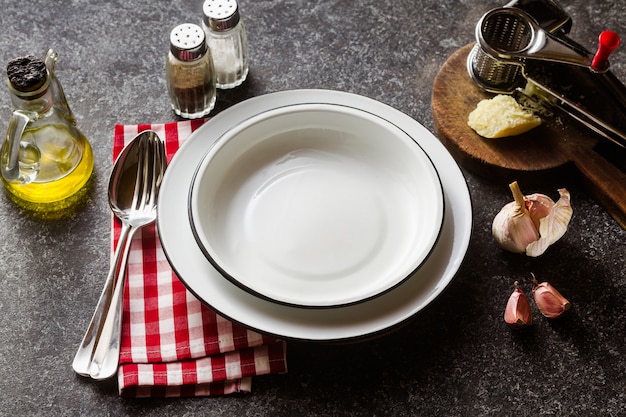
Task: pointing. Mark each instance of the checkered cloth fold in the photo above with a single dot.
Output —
(173, 345)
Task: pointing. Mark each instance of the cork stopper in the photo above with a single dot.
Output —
(27, 74)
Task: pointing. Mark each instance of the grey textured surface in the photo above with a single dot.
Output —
(457, 358)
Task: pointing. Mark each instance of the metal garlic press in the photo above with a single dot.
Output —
(525, 42)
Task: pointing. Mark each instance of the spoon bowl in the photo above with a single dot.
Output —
(133, 192)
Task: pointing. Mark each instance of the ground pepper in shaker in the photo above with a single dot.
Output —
(190, 72)
(227, 40)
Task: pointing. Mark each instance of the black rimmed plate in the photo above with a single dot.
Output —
(356, 321)
(316, 205)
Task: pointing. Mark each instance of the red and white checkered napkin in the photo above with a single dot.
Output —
(173, 345)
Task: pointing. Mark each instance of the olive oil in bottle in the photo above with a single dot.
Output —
(45, 161)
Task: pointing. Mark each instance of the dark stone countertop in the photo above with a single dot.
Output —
(456, 358)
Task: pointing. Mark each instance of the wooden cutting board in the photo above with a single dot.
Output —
(560, 146)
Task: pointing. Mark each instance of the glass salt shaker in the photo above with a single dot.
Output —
(226, 37)
(190, 72)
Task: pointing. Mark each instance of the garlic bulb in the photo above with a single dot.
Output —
(517, 313)
(532, 223)
(549, 301)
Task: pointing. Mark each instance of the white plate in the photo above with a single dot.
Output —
(332, 324)
(316, 205)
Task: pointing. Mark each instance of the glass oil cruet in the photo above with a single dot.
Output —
(46, 162)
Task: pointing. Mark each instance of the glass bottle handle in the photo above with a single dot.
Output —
(58, 95)
(11, 146)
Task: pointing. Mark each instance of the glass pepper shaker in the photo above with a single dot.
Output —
(190, 72)
(226, 37)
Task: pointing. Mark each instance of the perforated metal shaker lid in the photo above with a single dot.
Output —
(220, 15)
(187, 42)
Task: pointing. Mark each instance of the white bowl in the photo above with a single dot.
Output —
(316, 205)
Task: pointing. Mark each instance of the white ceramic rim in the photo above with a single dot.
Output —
(391, 239)
(341, 324)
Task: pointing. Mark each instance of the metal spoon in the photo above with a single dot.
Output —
(133, 191)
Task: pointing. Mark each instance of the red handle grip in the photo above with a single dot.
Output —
(608, 41)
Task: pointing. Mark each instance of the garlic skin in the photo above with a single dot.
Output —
(549, 301)
(517, 313)
(553, 226)
(532, 223)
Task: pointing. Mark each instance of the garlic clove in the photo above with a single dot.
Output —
(553, 226)
(517, 312)
(549, 301)
(539, 206)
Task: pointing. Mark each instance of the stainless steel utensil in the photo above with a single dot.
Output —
(597, 100)
(510, 34)
(133, 191)
(513, 49)
(498, 76)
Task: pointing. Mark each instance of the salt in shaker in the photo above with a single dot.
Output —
(226, 37)
(190, 72)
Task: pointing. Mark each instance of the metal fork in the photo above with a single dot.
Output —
(98, 355)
